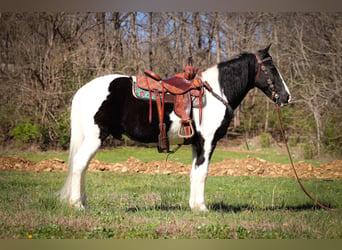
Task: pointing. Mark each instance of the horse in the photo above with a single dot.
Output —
(106, 106)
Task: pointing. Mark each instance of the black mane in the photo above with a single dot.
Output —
(236, 77)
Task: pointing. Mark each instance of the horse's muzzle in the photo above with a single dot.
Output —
(282, 101)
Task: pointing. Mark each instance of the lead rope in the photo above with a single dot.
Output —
(295, 172)
(170, 153)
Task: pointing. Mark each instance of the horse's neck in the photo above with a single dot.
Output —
(236, 79)
(237, 101)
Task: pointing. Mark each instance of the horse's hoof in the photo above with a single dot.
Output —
(203, 208)
(78, 205)
(199, 207)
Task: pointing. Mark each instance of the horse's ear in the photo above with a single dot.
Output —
(263, 52)
(268, 48)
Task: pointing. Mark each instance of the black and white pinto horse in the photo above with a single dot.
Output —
(106, 106)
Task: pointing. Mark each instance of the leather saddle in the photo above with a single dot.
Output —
(180, 90)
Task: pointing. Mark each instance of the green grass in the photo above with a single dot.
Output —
(129, 205)
(156, 206)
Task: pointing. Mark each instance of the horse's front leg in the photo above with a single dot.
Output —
(198, 179)
(199, 172)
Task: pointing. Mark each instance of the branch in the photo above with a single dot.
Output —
(318, 52)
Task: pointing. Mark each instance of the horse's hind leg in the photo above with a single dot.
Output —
(80, 163)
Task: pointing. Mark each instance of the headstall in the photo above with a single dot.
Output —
(261, 66)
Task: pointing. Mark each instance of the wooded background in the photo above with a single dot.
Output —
(46, 57)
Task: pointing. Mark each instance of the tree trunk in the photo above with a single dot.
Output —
(101, 43)
(267, 115)
(150, 46)
(210, 37)
(198, 31)
(117, 46)
(218, 45)
(134, 41)
(237, 115)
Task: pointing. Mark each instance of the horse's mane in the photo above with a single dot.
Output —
(236, 77)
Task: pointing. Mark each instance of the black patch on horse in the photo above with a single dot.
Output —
(236, 77)
(121, 113)
(222, 130)
(198, 144)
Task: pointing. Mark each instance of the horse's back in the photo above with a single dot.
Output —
(96, 88)
(88, 99)
(91, 95)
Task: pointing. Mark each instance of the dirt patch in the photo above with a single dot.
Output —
(228, 167)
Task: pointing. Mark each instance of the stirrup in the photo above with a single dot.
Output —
(186, 129)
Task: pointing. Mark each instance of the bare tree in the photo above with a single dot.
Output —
(134, 40)
(314, 66)
(101, 43)
(217, 39)
(150, 47)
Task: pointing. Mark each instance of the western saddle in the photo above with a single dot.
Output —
(180, 90)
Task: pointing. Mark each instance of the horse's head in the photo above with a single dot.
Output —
(269, 79)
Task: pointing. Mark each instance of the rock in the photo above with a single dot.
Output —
(58, 160)
(250, 168)
(261, 160)
(260, 171)
(167, 172)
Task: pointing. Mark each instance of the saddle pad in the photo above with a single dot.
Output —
(143, 94)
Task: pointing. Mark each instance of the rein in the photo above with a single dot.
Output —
(275, 96)
(295, 172)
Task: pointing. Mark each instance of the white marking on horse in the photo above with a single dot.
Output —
(285, 86)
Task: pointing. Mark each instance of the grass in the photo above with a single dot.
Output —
(130, 205)
(156, 206)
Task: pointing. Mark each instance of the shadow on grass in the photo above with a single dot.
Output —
(241, 208)
(160, 207)
(220, 206)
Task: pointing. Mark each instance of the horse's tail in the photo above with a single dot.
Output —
(76, 140)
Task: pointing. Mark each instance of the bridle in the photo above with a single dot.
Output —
(261, 67)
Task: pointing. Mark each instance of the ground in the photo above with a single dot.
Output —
(228, 167)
